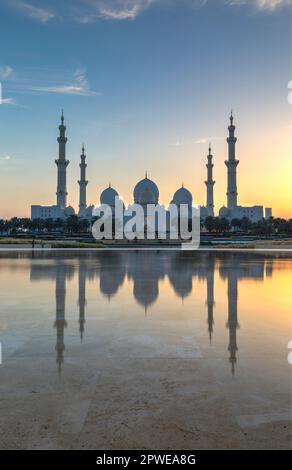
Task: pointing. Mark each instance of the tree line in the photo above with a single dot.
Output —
(215, 225)
(271, 226)
(70, 225)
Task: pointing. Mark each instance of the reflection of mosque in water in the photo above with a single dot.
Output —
(146, 269)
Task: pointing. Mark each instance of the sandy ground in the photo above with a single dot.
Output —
(155, 401)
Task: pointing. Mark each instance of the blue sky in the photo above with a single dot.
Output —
(146, 85)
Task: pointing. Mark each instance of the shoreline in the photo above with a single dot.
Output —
(15, 248)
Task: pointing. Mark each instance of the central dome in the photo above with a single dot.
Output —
(146, 197)
(146, 186)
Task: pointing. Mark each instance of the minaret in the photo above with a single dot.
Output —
(82, 296)
(82, 185)
(210, 296)
(62, 164)
(210, 184)
(232, 323)
(231, 164)
(60, 322)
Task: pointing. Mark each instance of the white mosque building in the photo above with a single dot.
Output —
(146, 191)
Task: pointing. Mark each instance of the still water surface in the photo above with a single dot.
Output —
(145, 350)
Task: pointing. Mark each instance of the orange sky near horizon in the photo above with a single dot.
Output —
(263, 175)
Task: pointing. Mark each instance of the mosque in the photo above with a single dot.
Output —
(146, 191)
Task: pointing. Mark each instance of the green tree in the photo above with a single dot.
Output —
(235, 223)
(71, 224)
(210, 224)
(246, 223)
(83, 225)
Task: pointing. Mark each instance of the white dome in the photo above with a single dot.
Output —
(146, 197)
(108, 196)
(182, 196)
(149, 186)
(69, 211)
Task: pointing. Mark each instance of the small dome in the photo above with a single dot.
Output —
(182, 196)
(69, 211)
(108, 196)
(224, 212)
(146, 197)
(150, 186)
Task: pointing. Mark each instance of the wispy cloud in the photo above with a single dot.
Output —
(77, 84)
(270, 5)
(5, 72)
(202, 140)
(115, 10)
(5, 159)
(122, 9)
(90, 11)
(9, 101)
(41, 14)
(64, 89)
(195, 141)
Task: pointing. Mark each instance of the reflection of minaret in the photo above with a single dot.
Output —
(231, 164)
(62, 164)
(82, 184)
(232, 322)
(60, 322)
(210, 297)
(210, 184)
(82, 297)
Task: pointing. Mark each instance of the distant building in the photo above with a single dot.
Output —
(46, 212)
(253, 213)
(268, 213)
(146, 191)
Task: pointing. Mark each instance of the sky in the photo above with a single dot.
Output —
(146, 85)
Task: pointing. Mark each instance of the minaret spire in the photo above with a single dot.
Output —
(82, 185)
(62, 164)
(60, 323)
(232, 323)
(210, 302)
(231, 164)
(82, 296)
(210, 184)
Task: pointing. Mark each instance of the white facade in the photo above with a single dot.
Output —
(253, 213)
(46, 212)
